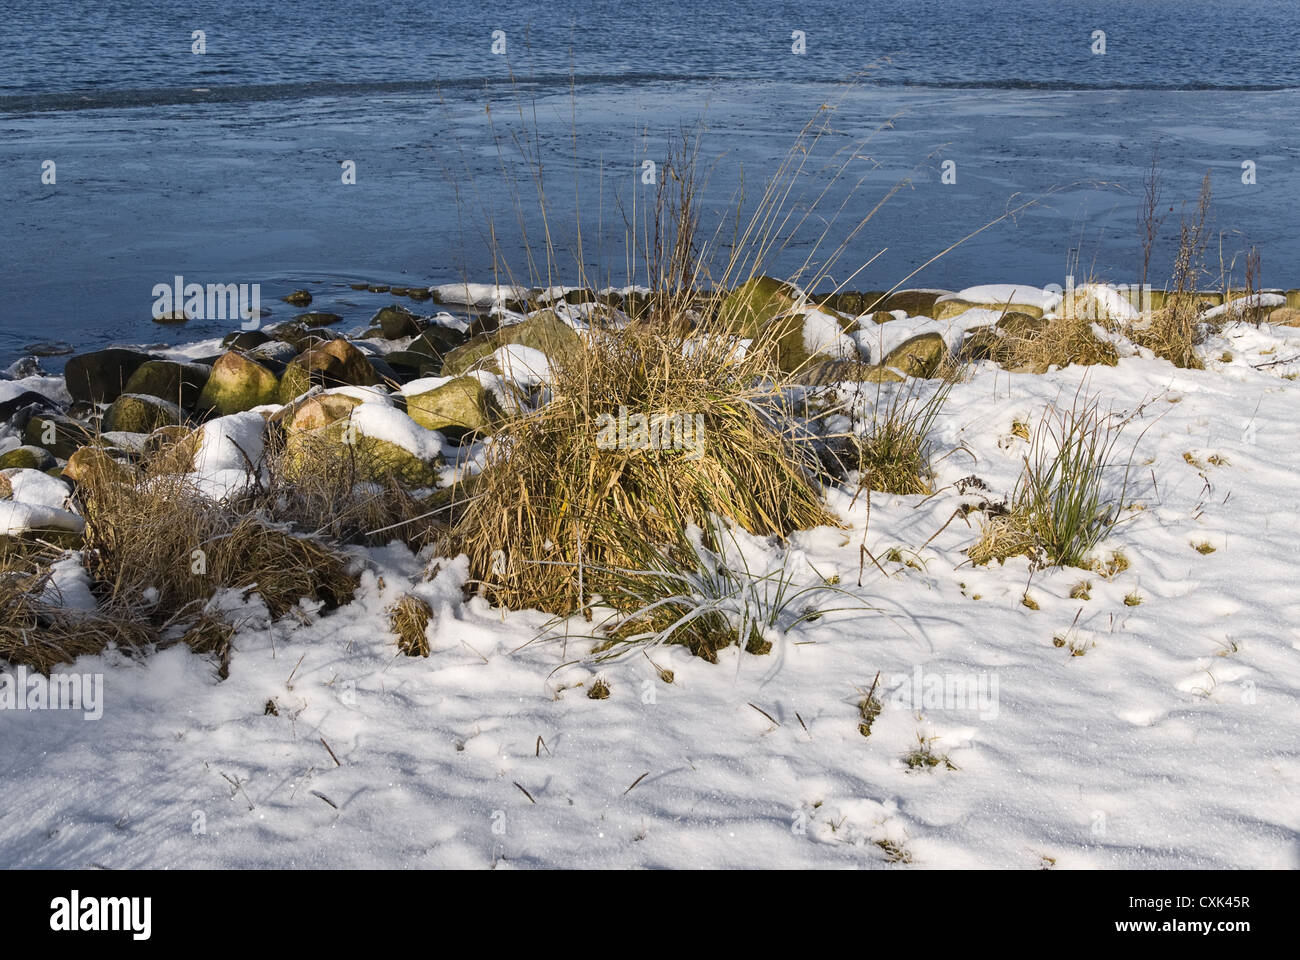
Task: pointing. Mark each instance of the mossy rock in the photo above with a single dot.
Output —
(542, 331)
(140, 413)
(396, 322)
(918, 356)
(27, 457)
(101, 375)
(755, 303)
(299, 298)
(179, 383)
(916, 303)
(238, 383)
(955, 307)
(785, 335)
(852, 302)
(335, 363)
(307, 451)
(1016, 323)
(316, 319)
(457, 408)
(418, 293)
(56, 433)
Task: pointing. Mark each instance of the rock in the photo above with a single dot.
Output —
(359, 286)
(953, 307)
(882, 374)
(1285, 316)
(24, 367)
(788, 336)
(324, 435)
(170, 380)
(543, 331)
(237, 383)
(1292, 301)
(457, 408)
(377, 287)
(754, 303)
(245, 339)
(140, 413)
(16, 410)
(827, 372)
(27, 457)
(317, 319)
(335, 363)
(408, 365)
(102, 375)
(853, 303)
(49, 348)
(397, 291)
(172, 316)
(418, 293)
(918, 356)
(90, 462)
(299, 298)
(58, 434)
(171, 448)
(396, 322)
(297, 335)
(916, 303)
(1014, 323)
(436, 341)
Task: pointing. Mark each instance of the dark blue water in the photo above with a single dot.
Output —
(224, 167)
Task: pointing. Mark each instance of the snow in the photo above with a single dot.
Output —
(36, 487)
(17, 517)
(1241, 304)
(1007, 293)
(822, 335)
(230, 443)
(878, 339)
(381, 422)
(1169, 742)
(477, 294)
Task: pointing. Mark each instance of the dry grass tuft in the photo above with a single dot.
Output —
(567, 496)
(408, 618)
(894, 455)
(39, 633)
(155, 544)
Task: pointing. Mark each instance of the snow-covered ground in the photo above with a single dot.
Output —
(1162, 733)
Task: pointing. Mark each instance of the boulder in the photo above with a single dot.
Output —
(436, 341)
(918, 356)
(101, 375)
(140, 413)
(178, 383)
(172, 316)
(407, 364)
(335, 363)
(299, 298)
(245, 339)
(1285, 316)
(756, 302)
(56, 433)
(789, 336)
(953, 306)
(17, 410)
(543, 331)
(317, 318)
(396, 322)
(27, 457)
(237, 383)
(916, 303)
(328, 433)
(461, 406)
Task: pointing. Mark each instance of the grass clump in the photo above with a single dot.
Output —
(893, 454)
(158, 546)
(645, 432)
(38, 632)
(708, 599)
(924, 757)
(408, 618)
(1059, 510)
